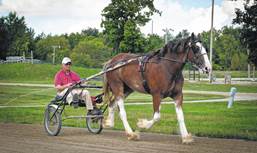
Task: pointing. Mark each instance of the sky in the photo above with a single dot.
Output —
(67, 16)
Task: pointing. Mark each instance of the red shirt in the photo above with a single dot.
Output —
(62, 78)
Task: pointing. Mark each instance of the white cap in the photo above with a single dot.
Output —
(66, 60)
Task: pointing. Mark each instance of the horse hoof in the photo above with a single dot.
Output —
(143, 124)
(107, 124)
(133, 136)
(188, 139)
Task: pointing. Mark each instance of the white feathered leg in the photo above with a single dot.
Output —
(186, 137)
(123, 116)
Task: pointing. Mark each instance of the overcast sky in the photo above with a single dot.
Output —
(66, 16)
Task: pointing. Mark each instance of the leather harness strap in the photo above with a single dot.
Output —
(142, 66)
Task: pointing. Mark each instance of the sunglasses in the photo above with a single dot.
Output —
(69, 63)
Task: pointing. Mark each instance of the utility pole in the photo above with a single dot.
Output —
(152, 27)
(211, 40)
(249, 66)
(23, 60)
(54, 47)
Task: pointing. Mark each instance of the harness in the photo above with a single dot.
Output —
(143, 60)
(142, 66)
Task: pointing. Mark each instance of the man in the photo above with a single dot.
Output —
(65, 78)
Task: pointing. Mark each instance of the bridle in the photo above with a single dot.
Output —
(185, 59)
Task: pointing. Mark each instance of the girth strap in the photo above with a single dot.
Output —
(142, 64)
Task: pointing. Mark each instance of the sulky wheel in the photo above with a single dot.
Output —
(52, 121)
(94, 122)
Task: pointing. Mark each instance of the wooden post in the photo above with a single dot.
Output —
(253, 73)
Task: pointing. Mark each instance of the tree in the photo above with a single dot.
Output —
(15, 37)
(247, 19)
(90, 52)
(44, 48)
(3, 39)
(153, 42)
(181, 35)
(119, 12)
(225, 46)
(133, 40)
(90, 32)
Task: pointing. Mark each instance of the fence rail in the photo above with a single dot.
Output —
(19, 59)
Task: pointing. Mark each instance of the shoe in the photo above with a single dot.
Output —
(95, 111)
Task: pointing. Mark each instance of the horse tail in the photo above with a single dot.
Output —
(108, 96)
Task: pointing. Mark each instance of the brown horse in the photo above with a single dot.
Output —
(163, 74)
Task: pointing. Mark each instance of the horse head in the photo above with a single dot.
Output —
(197, 54)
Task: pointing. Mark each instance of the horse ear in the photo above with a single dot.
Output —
(193, 36)
(163, 51)
(199, 36)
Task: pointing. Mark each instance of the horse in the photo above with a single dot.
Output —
(163, 75)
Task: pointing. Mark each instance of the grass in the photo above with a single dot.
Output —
(202, 119)
(37, 73)
(20, 96)
(221, 74)
(44, 73)
(220, 87)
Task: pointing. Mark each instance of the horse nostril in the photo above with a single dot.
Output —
(206, 69)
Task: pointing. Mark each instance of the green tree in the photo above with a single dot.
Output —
(235, 62)
(227, 45)
(3, 39)
(248, 35)
(44, 48)
(90, 52)
(119, 12)
(17, 37)
(133, 40)
(153, 42)
(181, 35)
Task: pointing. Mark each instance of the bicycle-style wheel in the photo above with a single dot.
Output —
(52, 121)
(94, 122)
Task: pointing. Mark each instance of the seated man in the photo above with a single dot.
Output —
(65, 78)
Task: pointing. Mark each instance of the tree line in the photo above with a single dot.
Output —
(121, 22)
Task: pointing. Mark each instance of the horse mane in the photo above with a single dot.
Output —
(173, 46)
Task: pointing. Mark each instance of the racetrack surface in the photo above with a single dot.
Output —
(24, 138)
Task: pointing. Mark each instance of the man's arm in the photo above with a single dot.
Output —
(60, 88)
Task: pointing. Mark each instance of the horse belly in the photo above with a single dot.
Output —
(132, 78)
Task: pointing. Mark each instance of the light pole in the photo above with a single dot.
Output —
(54, 47)
(211, 40)
(166, 34)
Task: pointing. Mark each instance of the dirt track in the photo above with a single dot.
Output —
(32, 138)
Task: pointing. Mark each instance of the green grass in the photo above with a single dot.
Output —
(220, 87)
(44, 73)
(20, 96)
(221, 74)
(37, 73)
(202, 119)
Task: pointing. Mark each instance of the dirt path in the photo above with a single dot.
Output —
(32, 138)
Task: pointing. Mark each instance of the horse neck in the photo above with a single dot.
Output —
(173, 66)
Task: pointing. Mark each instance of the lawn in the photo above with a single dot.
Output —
(202, 119)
